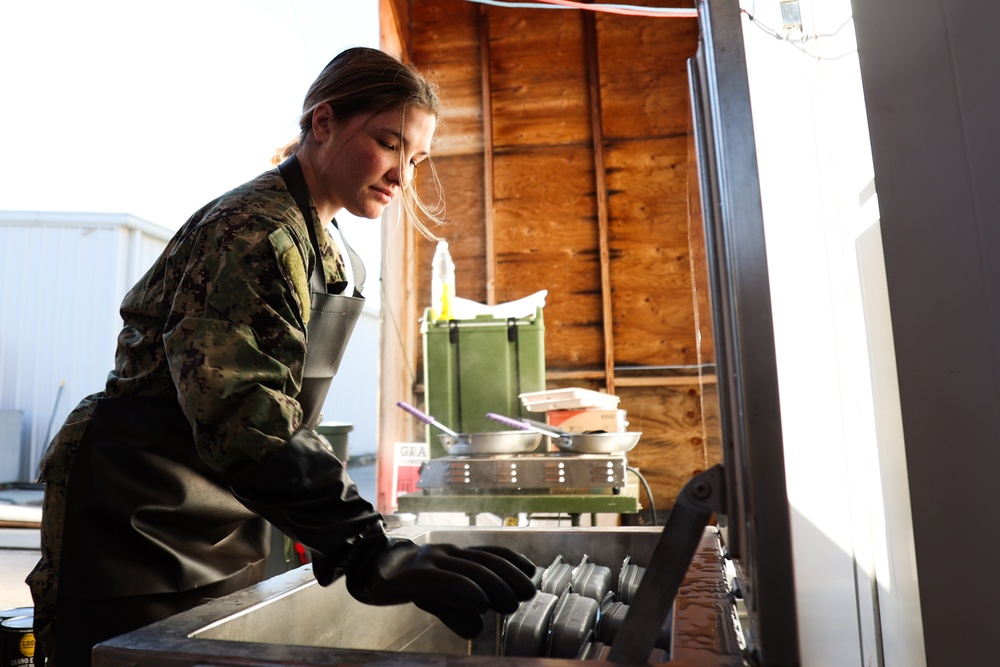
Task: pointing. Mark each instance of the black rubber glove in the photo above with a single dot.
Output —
(455, 584)
(304, 490)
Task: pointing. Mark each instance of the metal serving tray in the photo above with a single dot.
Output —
(291, 620)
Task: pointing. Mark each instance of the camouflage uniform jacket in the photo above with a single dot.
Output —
(218, 323)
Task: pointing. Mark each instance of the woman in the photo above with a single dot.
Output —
(157, 488)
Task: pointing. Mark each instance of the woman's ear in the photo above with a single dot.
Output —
(322, 122)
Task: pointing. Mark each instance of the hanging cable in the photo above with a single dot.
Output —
(623, 10)
(628, 10)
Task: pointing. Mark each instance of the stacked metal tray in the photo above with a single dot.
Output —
(577, 612)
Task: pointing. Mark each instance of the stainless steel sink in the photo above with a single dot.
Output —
(291, 620)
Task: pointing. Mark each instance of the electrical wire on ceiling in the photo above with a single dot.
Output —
(800, 40)
(623, 10)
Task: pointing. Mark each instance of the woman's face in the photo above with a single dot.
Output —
(365, 162)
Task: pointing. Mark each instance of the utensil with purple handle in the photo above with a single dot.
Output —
(526, 425)
(426, 418)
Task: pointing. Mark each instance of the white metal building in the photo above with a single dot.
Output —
(62, 279)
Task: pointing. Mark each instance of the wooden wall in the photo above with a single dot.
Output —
(566, 162)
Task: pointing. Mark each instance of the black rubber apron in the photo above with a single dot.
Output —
(150, 530)
(332, 316)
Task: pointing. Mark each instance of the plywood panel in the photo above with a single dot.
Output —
(539, 88)
(673, 446)
(547, 239)
(650, 265)
(544, 205)
(711, 422)
(643, 64)
(445, 45)
(702, 306)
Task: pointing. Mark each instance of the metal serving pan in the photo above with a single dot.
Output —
(526, 630)
(581, 443)
(500, 442)
(573, 623)
(461, 444)
(597, 443)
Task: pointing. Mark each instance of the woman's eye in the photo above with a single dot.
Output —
(388, 146)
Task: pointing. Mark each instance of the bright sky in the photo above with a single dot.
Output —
(155, 108)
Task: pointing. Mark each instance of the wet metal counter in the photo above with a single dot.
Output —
(290, 620)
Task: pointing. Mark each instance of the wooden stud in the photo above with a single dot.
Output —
(484, 50)
(600, 184)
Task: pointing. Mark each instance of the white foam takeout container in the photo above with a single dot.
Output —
(567, 399)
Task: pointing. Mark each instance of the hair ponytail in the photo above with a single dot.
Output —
(285, 152)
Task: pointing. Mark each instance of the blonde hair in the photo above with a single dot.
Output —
(367, 81)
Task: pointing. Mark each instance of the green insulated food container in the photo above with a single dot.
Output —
(476, 366)
(336, 434)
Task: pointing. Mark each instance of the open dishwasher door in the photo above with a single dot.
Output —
(756, 521)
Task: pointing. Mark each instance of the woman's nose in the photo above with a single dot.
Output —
(402, 175)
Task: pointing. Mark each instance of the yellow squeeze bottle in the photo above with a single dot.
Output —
(442, 283)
